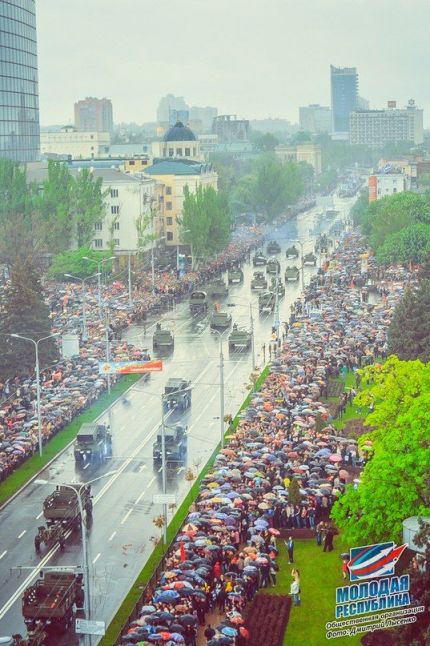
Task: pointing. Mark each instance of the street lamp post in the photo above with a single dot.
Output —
(99, 282)
(84, 302)
(221, 384)
(163, 468)
(39, 414)
(302, 272)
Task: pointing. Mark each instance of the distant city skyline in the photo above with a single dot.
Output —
(277, 60)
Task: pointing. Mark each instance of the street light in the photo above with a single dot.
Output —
(191, 249)
(84, 294)
(221, 383)
(36, 346)
(77, 489)
(302, 265)
(99, 263)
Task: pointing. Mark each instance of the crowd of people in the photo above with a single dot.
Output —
(226, 549)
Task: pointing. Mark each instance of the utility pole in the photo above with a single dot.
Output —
(221, 390)
(163, 469)
(251, 320)
(130, 296)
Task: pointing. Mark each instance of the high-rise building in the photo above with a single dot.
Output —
(377, 128)
(230, 129)
(94, 115)
(344, 96)
(167, 104)
(206, 115)
(315, 118)
(19, 107)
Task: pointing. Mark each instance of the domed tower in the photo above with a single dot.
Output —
(180, 142)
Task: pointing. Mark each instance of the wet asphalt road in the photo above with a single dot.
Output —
(119, 538)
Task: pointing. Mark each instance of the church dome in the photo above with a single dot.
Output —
(179, 132)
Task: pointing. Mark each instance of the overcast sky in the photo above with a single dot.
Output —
(253, 58)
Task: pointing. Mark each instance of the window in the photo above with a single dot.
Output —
(179, 152)
(187, 152)
(169, 235)
(114, 210)
(98, 243)
(171, 152)
(169, 206)
(116, 226)
(98, 226)
(168, 190)
(116, 242)
(114, 191)
(131, 163)
(169, 221)
(194, 151)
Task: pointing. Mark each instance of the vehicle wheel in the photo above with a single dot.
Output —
(37, 543)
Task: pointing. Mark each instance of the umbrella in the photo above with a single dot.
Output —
(335, 457)
(229, 631)
(166, 595)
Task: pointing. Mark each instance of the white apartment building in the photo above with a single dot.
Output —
(77, 145)
(315, 118)
(385, 184)
(377, 128)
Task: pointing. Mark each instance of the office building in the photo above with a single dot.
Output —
(74, 144)
(344, 96)
(376, 128)
(19, 109)
(230, 129)
(315, 118)
(94, 115)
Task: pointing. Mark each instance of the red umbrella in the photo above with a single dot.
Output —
(335, 457)
(274, 532)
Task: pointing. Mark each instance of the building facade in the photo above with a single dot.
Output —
(344, 96)
(306, 152)
(377, 128)
(315, 118)
(178, 142)
(230, 129)
(19, 97)
(94, 115)
(74, 144)
(385, 184)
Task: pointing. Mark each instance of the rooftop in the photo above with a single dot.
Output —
(177, 167)
(179, 132)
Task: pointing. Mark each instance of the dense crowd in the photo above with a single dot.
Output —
(226, 550)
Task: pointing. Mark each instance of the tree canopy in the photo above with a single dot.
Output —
(395, 483)
(409, 332)
(75, 263)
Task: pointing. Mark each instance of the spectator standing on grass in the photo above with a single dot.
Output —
(295, 587)
(290, 549)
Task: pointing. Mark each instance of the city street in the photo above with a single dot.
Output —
(119, 539)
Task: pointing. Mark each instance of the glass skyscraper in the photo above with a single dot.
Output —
(344, 96)
(19, 100)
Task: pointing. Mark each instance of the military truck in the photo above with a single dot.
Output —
(273, 266)
(310, 259)
(291, 253)
(175, 443)
(220, 320)
(198, 302)
(218, 288)
(273, 248)
(292, 274)
(258, 281)
(162, 339)
(277, 285)
(50, 601)
(239, 338)
(266, 302)
(235, 276)
(177, 394)
(93, 445)
(259, 259)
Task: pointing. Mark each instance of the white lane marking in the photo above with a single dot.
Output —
(142, 467)
(97, 558)
(160, 469)
(150, 483)
(39, 515)
(180, 470)
(22, 533)
(3, 554)
(86, 466)
(122, 428)
(126, 516)
(112, 535)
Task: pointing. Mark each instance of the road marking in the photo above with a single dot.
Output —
(97, 558)
(180, 470)
(22, 533)
(39, 515)
(150, 483)
(126, 516)
(86, 466)
(142, 467)
(122, 428)
(112, 535)
(4, 553)
(160, 469)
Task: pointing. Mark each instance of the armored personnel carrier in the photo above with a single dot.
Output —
(218, 288)
(239, 339)
(235, 276)
(273, 266)
(198, 302)
(259, 259)
(273, 248)
(291, 253)
(292, 274)
(309, 259)
(162, 339)
(220, 320)
(258, 281)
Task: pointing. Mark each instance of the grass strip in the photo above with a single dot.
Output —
(116, 627)
(33, 465)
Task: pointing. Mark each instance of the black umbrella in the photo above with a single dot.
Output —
(187, 620)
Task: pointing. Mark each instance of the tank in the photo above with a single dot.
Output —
(93, 445)
(162, 339)
(266, 302)
(235, 276)
(259, 281)
(259, 260)
(220, 320)
(291, 253)
(217, 288)
(198, 302)
(273, 266)
(239, 338)
(292, 274)
(310, 259)
(273, 247)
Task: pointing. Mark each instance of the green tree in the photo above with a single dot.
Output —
(264, 142)
(395, 483)
(72, 262)
(411, 244)
(23, 311)
(54, 208)
(393, 213)
(88, 202)
(409, 332)
(294, 495)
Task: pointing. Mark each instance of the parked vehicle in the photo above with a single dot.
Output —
(291, 253)
(177, 394)
(259, 281)
(292, 274)
(273, 266)
(198, 302)
(259, 259)
(93, 445)
(235, 276)
(273, 247)
(239, 338)
(309, 259)
(162, 339)
(175, 443)
(266, 302)
(50, 601)
(220, 320)
(218, 288)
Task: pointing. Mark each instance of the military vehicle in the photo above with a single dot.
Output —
(291, 253)
(266, 302)
(175, 443)
(277, 284)
(259, 259)
(273, 266)
(162, 339)
(239, 339)
(310, 259)
(220, 320)
(292, 274)
(217, 288)
(177, 394)
(93, 445)
(273, 247)
(198, 302)
(258, 281)
(50, 601)
(235, 276)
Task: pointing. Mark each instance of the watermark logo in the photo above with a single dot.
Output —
(374, 560)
